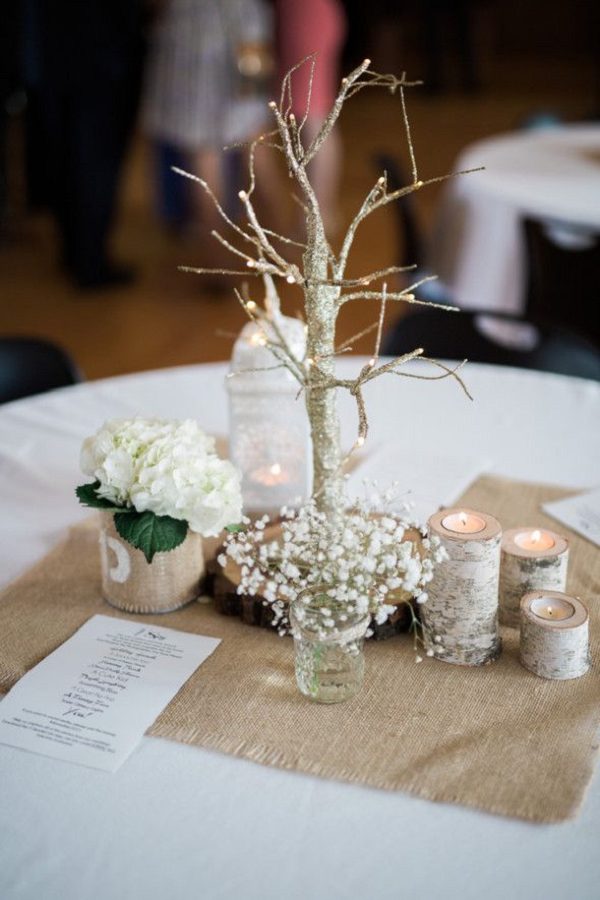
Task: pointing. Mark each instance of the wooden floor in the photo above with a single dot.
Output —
(167, 318)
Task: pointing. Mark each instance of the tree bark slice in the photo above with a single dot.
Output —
(558, 650)
(256, 611)
(523, 571)
(461, 613)
(222, 585)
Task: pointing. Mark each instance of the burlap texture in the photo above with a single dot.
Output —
(169, 582)
(496, 738)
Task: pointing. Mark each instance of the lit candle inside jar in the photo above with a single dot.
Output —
(270, 476)
(258, 339)
(463, 523)
(534, 540)
(552, 608)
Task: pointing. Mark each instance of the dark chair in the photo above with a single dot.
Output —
(459, 335)
(31, 366)
(563, 273)
(473, 334)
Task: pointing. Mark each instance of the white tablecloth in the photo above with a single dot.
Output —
(181, 822)
(477, 249)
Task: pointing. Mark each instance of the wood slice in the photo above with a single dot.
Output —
(222, 585)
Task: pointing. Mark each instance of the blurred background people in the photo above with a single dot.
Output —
(9, 90)
(319, 27)
(205, 87)
(447, 25)
(82, 65)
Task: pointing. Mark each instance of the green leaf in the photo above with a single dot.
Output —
(87, 496)
(234, 529)
(150, 533)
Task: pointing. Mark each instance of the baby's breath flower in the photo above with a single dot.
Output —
(345, 567)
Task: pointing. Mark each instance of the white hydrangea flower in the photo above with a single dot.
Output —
(167, 467)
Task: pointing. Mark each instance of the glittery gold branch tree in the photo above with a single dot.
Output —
(321, 276)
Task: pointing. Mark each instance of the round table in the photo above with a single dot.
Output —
(183, 822)
(477, 247)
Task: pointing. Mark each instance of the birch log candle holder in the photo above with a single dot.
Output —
(554, 635)
(460, 617)
(530, 559)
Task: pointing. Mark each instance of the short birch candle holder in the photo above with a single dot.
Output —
(554, 635)
(461, 613)
(530, 560)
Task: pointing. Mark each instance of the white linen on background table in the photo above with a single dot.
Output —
(183, 822)
(477, 247)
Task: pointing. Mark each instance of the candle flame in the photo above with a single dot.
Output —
(535, 536)
(463, 518)
(549, 610)
(275, 469)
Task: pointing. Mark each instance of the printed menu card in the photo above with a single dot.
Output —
(580, 512)
(92, 699)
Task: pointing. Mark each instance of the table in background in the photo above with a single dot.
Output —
(183, 822)
(477, 248)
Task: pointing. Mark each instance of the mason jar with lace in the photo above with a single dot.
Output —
(268, 425)
(328, 645)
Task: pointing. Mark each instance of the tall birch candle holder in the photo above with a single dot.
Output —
(530, 560)
(460, 617)
(554, 635)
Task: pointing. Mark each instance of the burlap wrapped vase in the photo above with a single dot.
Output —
(132, 584)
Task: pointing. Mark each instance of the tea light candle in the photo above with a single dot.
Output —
(463, 523)
(554, 635)
(552, 609)
(531, 559)
(271, 486)
(270, 476)
(462, 606)
(534, 539)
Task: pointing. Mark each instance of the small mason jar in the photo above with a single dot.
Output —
(328, 644)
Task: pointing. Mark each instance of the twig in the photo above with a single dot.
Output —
(448, 373)
(357, 336)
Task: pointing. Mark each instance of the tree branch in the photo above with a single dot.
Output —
(218, 207)
(448, 373)
(405, 296)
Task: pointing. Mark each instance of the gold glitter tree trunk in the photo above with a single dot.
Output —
(321, 303)
(321, 278)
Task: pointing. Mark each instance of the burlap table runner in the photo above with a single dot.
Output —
(496, 738)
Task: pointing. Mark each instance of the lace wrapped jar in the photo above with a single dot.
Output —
(328, 645)
(268, 427)
(134, 585)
